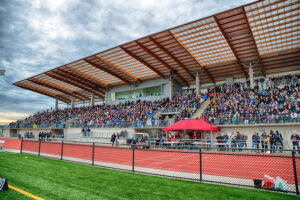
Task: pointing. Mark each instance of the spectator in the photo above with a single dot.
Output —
(113, 139)
(225, 141)
(272, 141)
(233, 143)
(83, 131)
(244, 140)
(208, 141)
(279, 143)
(264, 142)
(255, 141)
(220, 142)
(239, 141)
(295, 140)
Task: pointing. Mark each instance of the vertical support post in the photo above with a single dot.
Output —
(39, 147)
(106, 99)
(200, 162)
(93, 156)
(92, 99)
(197, 84)
(251, 76)
(21, 144)
(295, 172)
(133, 147)
(56, 104)
(72, 102)
(62, 150)
(171, 87)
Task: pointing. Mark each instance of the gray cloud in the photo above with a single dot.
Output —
(37, 35)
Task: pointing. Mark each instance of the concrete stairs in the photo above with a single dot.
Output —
(199, 112)
(157, 114)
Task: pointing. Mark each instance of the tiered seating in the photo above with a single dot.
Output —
(272, 100)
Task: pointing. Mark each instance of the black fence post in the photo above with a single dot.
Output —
(93, 156)
(62, 150)
(200, 162)
(21, 144)
(39, 148)
(133, 147)
(295, 172)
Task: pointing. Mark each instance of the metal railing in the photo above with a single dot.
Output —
(276, 172)
(280, 119)
(157, 123)
(171, 110)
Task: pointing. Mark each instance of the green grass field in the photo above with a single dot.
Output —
(54, 179)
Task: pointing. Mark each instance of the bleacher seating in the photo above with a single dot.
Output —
(272, 100)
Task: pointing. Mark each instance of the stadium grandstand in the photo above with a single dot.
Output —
(237, 70)
(246, 60)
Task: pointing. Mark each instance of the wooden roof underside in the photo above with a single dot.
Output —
(264, 32)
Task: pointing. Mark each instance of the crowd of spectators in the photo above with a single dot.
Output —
(121, 115)
(271, 142)
(45, 135)
(272, 100)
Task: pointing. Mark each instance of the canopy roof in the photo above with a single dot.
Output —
(192, 124)
(265, 33)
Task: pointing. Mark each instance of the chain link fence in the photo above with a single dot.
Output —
(277, 172)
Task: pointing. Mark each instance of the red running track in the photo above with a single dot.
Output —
(238, 165)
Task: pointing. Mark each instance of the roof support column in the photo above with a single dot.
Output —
(92, 103)
(171, 88)
(197, 84)
(73, 102)
(106, 97)
(56, 104)
(251, 77)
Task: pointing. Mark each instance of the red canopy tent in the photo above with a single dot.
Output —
(192, 124)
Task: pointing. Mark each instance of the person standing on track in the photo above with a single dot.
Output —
(255, 141)
(279, 143)
(208, 141)
(272, 141)
(113, 139)
(295, 139)
(244, 140)
(239, 141)
(225, 141)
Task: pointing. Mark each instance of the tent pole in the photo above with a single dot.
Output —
(211, 139)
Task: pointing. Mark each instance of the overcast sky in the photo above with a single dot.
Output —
(38, 35)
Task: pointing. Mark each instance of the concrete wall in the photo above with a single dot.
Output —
(35, 131)
(164, 83)
(105, 133)
(73, 133)
(286, 131)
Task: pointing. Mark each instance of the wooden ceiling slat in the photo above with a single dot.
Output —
(203, 67)
(59, 88)
(118, 68)
(242, 34)
(184, 30)
(273, 15)
(91, 77)
(275, 20)
(172, 57)
(61, 77)
(276, 25)
(142, 61)
(229, 44)
(82, 79)
(107, 71)
(47, 93)
(161, 61)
